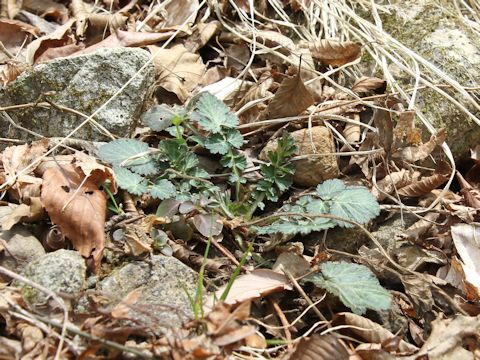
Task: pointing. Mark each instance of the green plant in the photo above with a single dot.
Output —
(173, 169)
(333, 197)
(355, 285)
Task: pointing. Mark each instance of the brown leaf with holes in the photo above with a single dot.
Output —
(77, 206)
(366, 84)
(427, 184)
(320, 347)
(291, 98)
(335, 53)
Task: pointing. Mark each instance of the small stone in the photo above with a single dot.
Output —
(59, 271)
(21, 247)
(83, 83)
(164, 283)
(316, 169)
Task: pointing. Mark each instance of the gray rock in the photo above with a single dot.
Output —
(60, 271)
(163, 283)
(433, 29)
(83, 83)
(21, 247)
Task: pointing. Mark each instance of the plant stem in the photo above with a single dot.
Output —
(254, 206)
(236, 272)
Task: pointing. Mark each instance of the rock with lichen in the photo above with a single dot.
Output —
(435, 30)
(82, 83)
(316, 145)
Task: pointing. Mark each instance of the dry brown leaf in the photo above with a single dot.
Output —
(122, 38)
(352, 133)
(60, 37)
(258, 283)
(466, 238)
(47, 8)
(11, 70)
(10, 8)
(383, 122)
(14, 34)
(296, 264)
(95, 171)
(202, 35)
(291, 98)
(335, 53)
(413, 154)
(80, 214)
(470, 194)
(24, 213)
(15, 159)
(320, 347)
(366, 84)
(370, 331)
(426, 184)
(177, 12)
(179, 71)
(394, 181)
(405, 132)
(446, 341)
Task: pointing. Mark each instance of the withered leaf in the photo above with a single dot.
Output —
(383, 122)
(470, 194)
(392, 181)
(366, 83)
(320, 347)
(405, 132)
(427, 184)
(78, 207)
(258, 283)
(179, 71)
(412, 154)
(291, 98)
(335, 53)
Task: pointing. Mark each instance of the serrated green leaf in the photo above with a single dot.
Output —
(355, 203)
(127, 180)
(216, 144)
(294, 226)
(234, 138)
(329, 188)
(119, 152)
(212, 114)
(355, 285)
(159, 117)
(163, 189)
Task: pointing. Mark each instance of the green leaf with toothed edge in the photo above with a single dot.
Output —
(355, 285)
(127, 180)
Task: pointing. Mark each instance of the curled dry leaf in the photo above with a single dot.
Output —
(448, 336)
(177, 12)
(405, 133)
(78, 207)
(47, 8)
(179, 70)
(258, 283)
(427, 184)
(15, 159)
(11, 70)
(365, 84)
(320, 347)
(470, 194)
(57, 39)
(392, 181)
(291, 98)
(335, 53)
(466, 239)
(413, 154)
(13, 34)
(95, 171)
(370, 331)
(121, 38)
